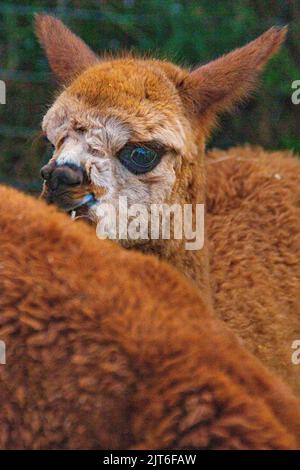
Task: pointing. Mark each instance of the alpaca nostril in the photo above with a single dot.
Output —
(47, 170)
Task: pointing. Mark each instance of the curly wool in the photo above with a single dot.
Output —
(253, 223)
(108, 348)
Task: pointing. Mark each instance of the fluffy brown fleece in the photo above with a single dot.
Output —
(108, 348)
(253, 226)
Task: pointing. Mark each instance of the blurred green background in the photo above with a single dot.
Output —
(188, 32)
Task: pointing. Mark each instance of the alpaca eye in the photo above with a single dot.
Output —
(138, 159)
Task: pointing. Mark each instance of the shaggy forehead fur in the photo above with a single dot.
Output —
(141, 84)
(137, 93)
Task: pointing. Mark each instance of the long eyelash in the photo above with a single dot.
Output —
(60, 142)
(152, 179)
(151, 145)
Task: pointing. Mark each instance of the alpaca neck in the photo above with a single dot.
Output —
(194, 264)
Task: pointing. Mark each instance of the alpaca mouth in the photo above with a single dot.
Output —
(80, 209)
(67, 201)
(87, 201)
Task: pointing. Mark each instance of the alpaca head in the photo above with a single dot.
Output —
(136, 127)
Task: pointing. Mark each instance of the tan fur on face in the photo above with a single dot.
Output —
(89, 130)
(90, 139)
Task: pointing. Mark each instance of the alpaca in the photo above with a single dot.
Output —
(109, 348)
(137, 127)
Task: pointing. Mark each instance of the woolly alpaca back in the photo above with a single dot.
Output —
(113, 349)
(253, 225)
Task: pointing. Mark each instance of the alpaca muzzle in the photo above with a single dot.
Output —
(66, 175)
(66, 186)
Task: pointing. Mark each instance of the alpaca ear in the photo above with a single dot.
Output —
(220, 84)
(67, 54)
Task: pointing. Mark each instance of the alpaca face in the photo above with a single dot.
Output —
(123, 124)
(136, 128)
